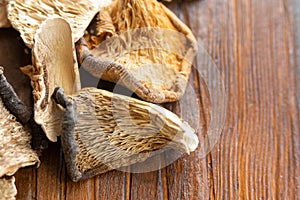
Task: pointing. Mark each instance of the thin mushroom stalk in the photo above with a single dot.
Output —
(103, 131)
(21, 112)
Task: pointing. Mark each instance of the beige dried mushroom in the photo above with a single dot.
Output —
(105, 131)
(53, 65)
(8, 189)
(141, 45)
(26, 16)
(15, 149)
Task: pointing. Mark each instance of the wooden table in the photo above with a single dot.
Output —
(255, 45)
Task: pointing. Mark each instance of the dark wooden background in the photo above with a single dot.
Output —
(255, 43)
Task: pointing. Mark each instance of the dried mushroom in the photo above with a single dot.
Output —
(15, 149)
(141, 45)
(104, 131)
(4, 22)
(8, 189)
(26, 16)
(53, 65)
(23, 114)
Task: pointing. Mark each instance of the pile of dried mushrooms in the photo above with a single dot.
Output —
(141, 45)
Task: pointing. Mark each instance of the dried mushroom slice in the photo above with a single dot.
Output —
(53, 65)
(15, 149)
(4, 22)
(26, 16)
(105, 131)
(141, 45)
(8, 188)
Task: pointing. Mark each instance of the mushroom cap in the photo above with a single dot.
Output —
(8, 188)
(15, 149)
(54, 64)
(113, 131)
(26, 15)
(146, 48)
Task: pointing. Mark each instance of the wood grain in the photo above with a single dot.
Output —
(255, 44)
(295, 6)
(256, 156)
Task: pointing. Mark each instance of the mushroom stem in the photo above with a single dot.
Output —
(23, 114)
(59, 97)
(69, 145)
(11, 100)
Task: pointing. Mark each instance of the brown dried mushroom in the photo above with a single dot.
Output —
(15, 149)
(104, 131)
(26, 16)
(8, 189)
(141, 45)
(4, 22)
(53, 65)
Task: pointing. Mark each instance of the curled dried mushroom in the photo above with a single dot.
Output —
(26, 16)
(104, 131)
(53, 65)
(141, 45)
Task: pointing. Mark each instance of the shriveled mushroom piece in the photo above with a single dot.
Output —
(15, 149)
(141, 45)
(8, 189)
(4, 22)
(53, 65)
(104, 131)
(26, 16)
